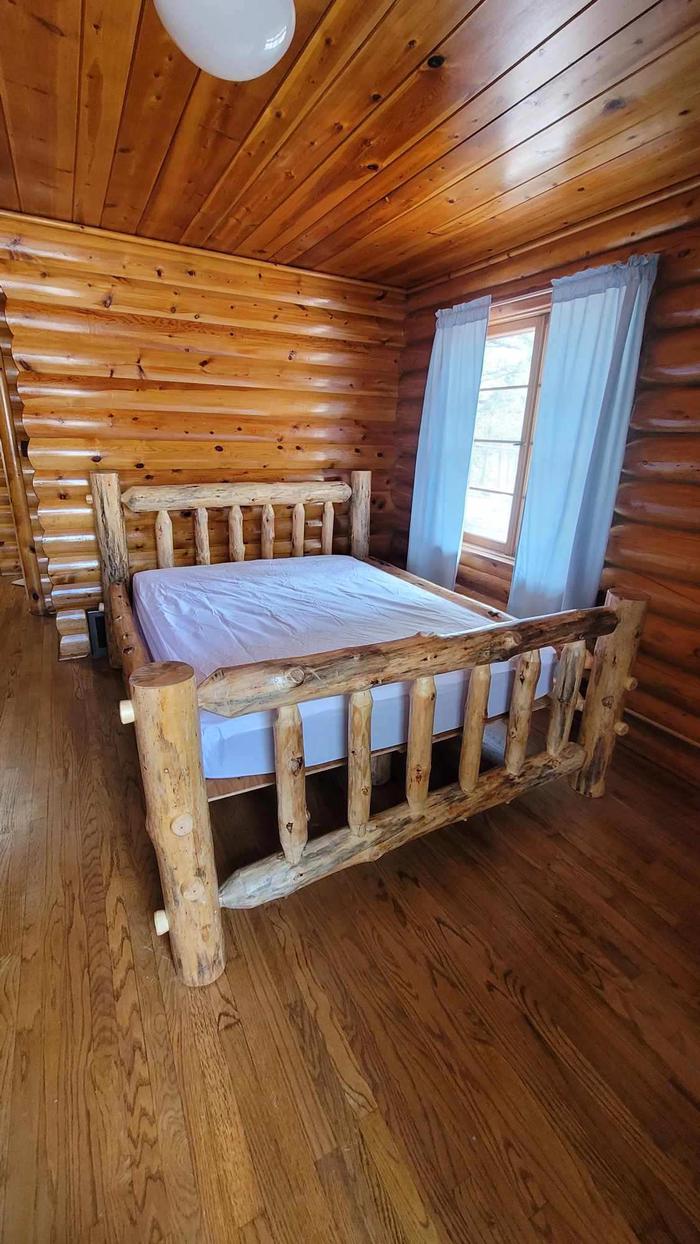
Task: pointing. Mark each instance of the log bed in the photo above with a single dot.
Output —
(164, 701)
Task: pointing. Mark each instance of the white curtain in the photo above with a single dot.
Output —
(590, 369)
(445, 441)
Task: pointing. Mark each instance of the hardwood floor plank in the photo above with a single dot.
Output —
(492, 1034)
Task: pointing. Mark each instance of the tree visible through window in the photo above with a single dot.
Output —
(503, 434)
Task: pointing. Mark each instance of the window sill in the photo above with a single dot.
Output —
(480, 550)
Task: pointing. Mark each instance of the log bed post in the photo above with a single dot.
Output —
(609, 680)
(111, 539)
(164, 698)
(361, 483)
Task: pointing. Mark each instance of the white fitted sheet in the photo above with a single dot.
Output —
(238, 612)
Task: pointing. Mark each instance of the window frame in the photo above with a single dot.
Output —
(503, 326)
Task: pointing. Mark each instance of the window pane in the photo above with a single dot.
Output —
(487, 514)
(500, 414)
(507, 359)
(494, 466)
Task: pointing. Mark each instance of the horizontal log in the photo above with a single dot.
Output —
(668, 683)
(191, 496)
(678, 721)
(486, 586)
(128, 335)
(672, 642)
(179, 369)
(652, 743)
(48, 454)
(650, 550)
(666, 457)
(104, 251)
(667, 409)
(672, 358)
(681, 263)
(677, 307)
(91, 290)
(46, 399)
(661, 504)
(263, 685)
(274, 878)
(458, 598)
(132, 650)
(667, 597)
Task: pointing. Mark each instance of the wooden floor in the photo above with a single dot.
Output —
(491, 1035)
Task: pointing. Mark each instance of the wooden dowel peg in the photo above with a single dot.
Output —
(127, 713)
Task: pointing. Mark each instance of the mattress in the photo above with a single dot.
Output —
(238, 612)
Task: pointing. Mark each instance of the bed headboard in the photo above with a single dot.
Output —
(110, 504)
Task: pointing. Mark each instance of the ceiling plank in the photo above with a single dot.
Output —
(342, 32)
(159, 86)
(543, 87)
(353, 156)
(109, 31)
(217, 119)
(646, 170)
(641, 101)
(415, 32)
(8, 182)
(476, 55)
(39, 60)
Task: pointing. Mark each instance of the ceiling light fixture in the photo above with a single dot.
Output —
(232, 39)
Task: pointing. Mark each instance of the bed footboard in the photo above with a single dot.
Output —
(282, 685)
(165, 701)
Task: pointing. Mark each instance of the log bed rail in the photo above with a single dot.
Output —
(164, 703)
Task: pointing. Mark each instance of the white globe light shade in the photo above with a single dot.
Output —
(233, 39)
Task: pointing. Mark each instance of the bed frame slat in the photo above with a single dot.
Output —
(236, 546)
(144, 500)
(327, 527)
(521, 701)
(165, 552)
(202, 552)
(359, 514)
(298, 524)
(290, 773)
(420, 742)
(359, 759)
(267, 532)
(475, 715)
(565, 695)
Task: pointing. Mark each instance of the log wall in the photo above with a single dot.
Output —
(654, 547)
(175, 365)
(654, 544)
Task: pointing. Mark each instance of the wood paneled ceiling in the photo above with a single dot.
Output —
(398, 139)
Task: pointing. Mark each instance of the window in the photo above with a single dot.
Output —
(503, 433)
